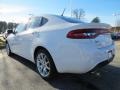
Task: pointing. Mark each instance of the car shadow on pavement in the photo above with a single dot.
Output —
(107, 78)
(25, 62)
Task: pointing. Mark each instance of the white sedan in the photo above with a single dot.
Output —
(61, 44)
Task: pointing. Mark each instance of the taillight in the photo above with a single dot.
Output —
(86, 33)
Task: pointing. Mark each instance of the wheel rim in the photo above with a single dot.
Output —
(7, 49)
(43, 64)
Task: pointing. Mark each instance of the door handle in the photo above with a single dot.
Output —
(19, 38)
(36, 34)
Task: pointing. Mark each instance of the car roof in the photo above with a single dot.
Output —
(57, 18)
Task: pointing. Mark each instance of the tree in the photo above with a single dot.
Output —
(78, 13)
(15, 25)
(10, 25)
(96, 20)
(3, 26)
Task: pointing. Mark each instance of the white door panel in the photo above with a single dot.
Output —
(25, 42)
(19, 41)
(12, 42)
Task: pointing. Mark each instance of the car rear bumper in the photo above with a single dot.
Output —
(77, 58)
(102, 64)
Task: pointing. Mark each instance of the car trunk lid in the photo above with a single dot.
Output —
(99, 33)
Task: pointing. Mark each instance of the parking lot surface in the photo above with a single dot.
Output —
(17, 73)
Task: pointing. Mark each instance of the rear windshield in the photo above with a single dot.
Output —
(71, 20)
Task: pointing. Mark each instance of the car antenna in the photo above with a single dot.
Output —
(63, 12)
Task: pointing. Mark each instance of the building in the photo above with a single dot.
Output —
(116, 29)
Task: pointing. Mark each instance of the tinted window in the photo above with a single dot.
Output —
(71, 20)
(20, 28)
(44, 21)
(34, 22)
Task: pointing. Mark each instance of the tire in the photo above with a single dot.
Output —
(8, 50)
(45, 65)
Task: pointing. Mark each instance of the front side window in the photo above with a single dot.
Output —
(20, 28)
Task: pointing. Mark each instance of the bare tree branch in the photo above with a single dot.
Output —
(78, 13)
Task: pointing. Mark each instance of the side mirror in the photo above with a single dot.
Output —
(9, 31)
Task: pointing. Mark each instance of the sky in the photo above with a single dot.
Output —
(21, 10)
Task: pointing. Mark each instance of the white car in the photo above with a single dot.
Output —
(61, 44)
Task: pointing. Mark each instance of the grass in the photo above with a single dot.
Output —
(2, 42)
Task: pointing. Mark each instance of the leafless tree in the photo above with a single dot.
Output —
(78, 13)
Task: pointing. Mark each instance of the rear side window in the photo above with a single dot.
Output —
(35, 22)
(44, 21)
(71, 20)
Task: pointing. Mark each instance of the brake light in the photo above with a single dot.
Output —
(86, 33)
